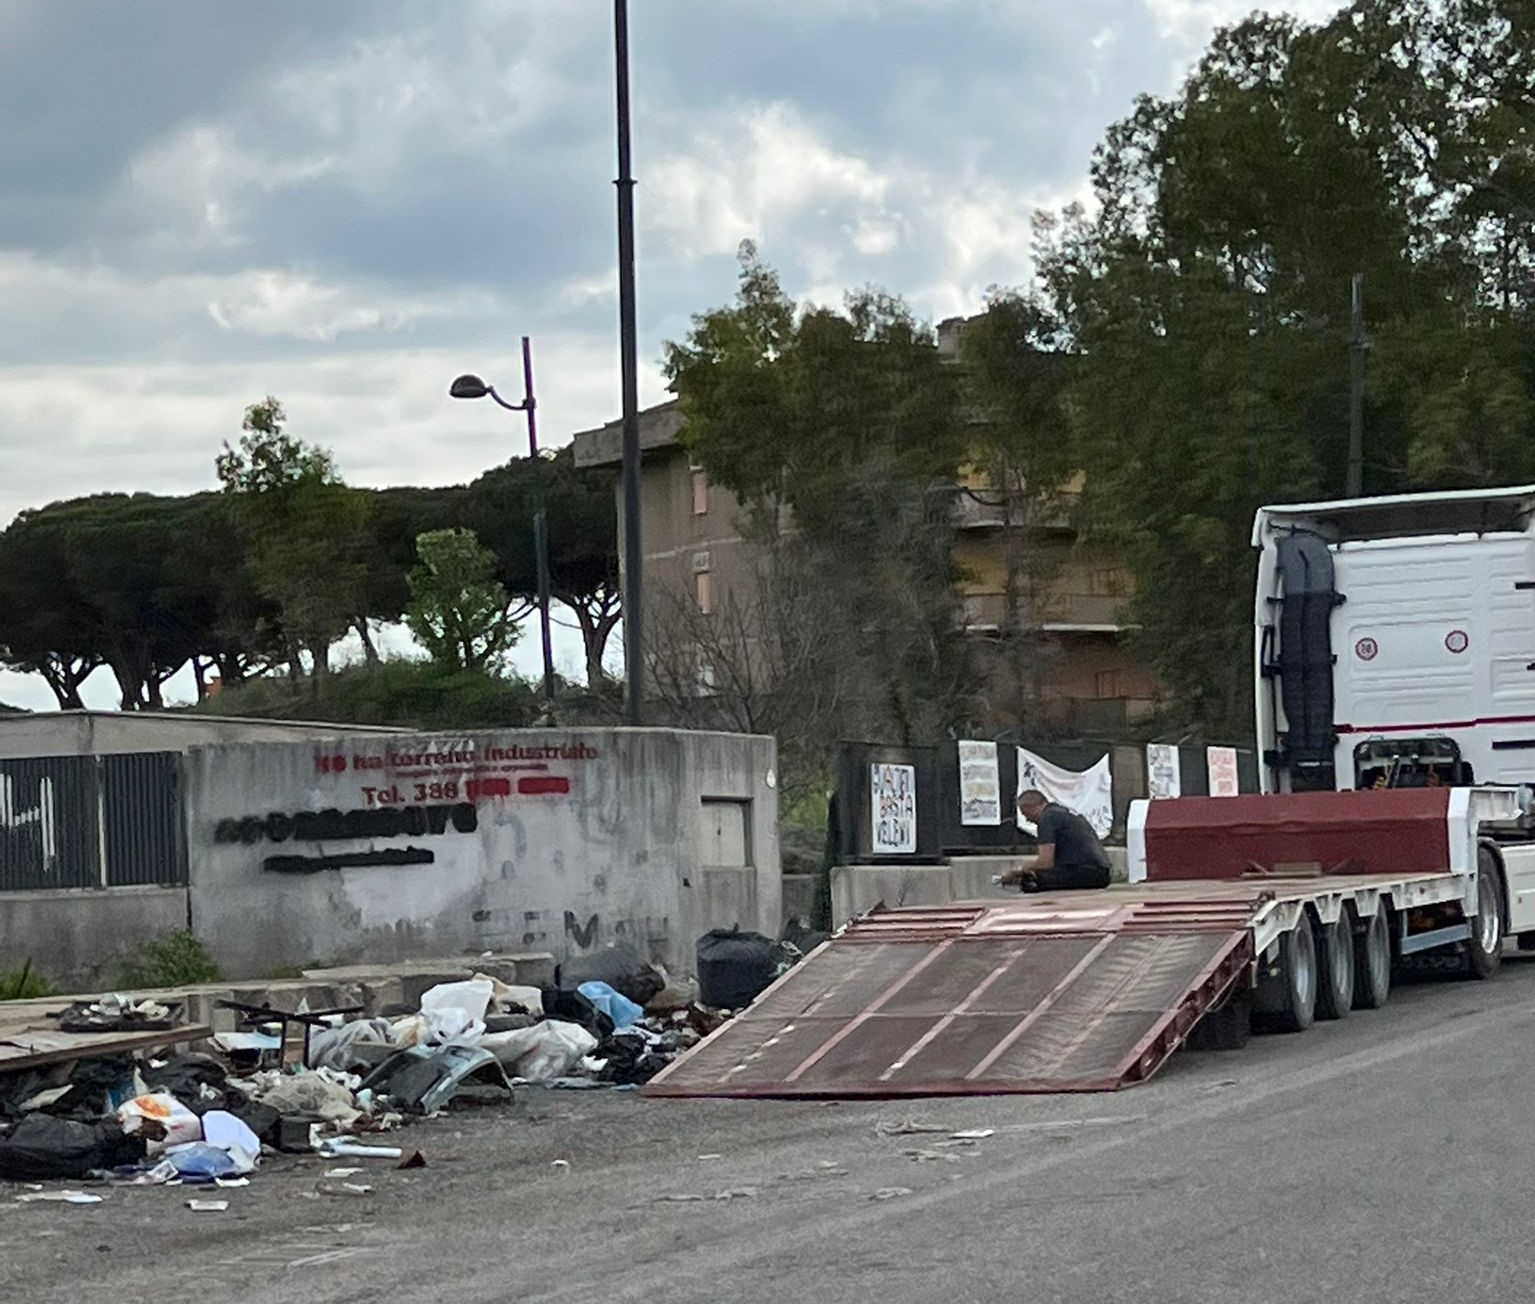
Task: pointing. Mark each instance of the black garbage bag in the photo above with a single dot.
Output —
(633, 1057)
(619, 966)
(734, 967)
(572, 1007)
(42, 1147)
(199, 1082)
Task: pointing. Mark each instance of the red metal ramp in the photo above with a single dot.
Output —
(1047, 994)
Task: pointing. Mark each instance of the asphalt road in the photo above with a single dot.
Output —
(1384, 1158)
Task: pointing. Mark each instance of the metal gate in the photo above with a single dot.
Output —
(91, 821)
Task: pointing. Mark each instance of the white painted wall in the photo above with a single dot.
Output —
(576, 839)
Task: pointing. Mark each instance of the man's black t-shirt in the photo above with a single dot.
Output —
(1080, 860)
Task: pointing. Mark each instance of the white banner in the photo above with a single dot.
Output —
(894, 809)
(980, 784)
(1090, 793)
(1222, 765)
(1163, 777)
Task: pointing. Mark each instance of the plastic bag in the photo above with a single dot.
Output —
(546, 1050)
(161, 1119)
(44, 1147)
(313, 1094)
(619, 966)
(334, 1048)
(201, 1162)
(472, 997)
(616, 1006)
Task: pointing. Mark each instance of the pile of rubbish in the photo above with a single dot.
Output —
(608, 1020)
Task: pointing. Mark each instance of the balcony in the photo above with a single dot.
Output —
(982, 508)
(1061, 612)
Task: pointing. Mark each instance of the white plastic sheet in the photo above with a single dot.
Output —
(547, 1050)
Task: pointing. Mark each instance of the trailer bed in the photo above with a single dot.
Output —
(1075, 991)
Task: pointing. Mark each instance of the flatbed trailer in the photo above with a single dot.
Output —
(1240, 913)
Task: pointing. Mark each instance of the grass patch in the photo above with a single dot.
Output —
(174, 960)
(24, 984)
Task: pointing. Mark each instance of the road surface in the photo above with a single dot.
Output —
(1383, 1158)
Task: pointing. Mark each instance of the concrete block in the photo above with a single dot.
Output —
(970, 877)
(855, 888)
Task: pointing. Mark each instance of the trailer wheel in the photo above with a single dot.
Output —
(1484, 952)
(1335, 961)
(1293, 1008)
(1372, 961)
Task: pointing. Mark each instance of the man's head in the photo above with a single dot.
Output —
(1030, 802)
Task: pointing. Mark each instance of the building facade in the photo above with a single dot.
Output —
(1046, 605)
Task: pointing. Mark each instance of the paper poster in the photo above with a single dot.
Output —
(1163, 777)
(1089, 792)
(894, 808)
(980, 784)
(1222, 765)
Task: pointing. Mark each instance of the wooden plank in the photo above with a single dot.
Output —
(29, 1048)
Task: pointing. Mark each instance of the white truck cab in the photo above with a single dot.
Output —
(1395, 641)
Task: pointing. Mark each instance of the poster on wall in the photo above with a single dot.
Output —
(1089, 792)
(894, 809)
(1222, 765)
(1163, 776)
(980, 784)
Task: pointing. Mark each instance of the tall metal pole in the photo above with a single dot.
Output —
(540, 519)
(634, 662)
(1358, 347)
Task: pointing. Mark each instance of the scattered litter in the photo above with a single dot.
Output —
(349, 1189)
(738, 1193)
(562, 1164)
(683, 1197)
(413, 1160)
(973, 1134)
(343, 1172)
(231, 1181)
(890, 1192)
(348, 1148)
(711, 1156)
(906, 1127)
(208, 1206)
(58, 1197)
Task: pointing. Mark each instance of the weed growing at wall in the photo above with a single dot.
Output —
(23, 984)
(174, 960)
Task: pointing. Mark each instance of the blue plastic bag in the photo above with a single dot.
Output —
(615, 1005)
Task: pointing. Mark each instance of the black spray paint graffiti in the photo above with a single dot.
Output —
(342, 826)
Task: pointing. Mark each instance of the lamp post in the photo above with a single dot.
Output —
(634, 662)
(473, 387)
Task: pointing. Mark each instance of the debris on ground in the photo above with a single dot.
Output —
(115, 1107)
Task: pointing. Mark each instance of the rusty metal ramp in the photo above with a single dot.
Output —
(1043, 995)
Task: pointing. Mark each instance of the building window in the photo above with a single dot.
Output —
(700, 491)
(1109, 686)
(703, 587)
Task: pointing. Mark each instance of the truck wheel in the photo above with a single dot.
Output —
(1335, 962)
(1372, 962)
(1227, 1027)
(1484, 952)
(1294, 1006)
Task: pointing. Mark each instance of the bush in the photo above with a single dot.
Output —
(408, 693)
(174, 960)
(23, 984)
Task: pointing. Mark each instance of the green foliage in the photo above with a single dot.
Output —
(845, 426)
(24, 984)
(411, 694)
(173, 960)
(1204, 305)
(459, 611)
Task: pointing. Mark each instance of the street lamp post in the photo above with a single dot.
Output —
(474, 387)
(634, 662)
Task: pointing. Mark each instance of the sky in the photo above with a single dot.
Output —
(345, 203)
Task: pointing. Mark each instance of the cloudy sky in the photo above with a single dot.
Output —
(346, 202)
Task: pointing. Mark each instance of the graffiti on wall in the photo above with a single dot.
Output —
(405, 793)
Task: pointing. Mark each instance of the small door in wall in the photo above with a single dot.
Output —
(725, 834)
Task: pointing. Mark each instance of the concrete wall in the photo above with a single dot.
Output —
(365, 850)
(111, 733)
(78, 940)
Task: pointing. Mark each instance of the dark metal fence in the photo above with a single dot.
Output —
(89, 821)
